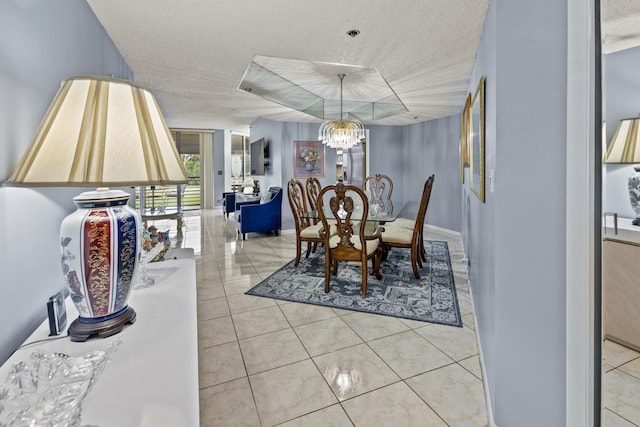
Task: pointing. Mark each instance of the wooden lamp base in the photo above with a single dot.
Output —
(81, 331)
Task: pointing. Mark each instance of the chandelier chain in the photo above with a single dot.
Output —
(341, 134)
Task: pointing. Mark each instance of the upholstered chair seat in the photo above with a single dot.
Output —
(396, 235)
(403, 223)
(372, 245)
(312, 231)
(400, 233)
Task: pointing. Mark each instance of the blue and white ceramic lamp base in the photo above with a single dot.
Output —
(100, 245)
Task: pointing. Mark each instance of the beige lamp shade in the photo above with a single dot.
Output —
(625, 145)
(104, 132)
(624, 149)
(101, 132)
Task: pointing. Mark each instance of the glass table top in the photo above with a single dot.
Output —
(391, 212)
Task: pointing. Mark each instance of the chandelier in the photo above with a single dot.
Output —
(341, 134)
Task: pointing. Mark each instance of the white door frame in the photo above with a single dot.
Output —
(580, 214)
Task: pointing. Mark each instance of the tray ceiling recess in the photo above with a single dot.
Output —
(314, 88)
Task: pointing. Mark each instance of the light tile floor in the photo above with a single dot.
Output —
(264, 362)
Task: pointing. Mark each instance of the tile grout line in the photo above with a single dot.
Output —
(339, 316)
(244, 364)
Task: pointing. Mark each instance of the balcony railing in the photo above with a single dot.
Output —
(191, 197)
(161, 197)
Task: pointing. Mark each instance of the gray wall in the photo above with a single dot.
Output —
(280, 136)
(432, 148)
(218, 165)
(621, 87)
(42, 43)
(272, 132)
(516, 240)
(408, 154)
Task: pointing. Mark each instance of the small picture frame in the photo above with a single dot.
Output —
(308, 159)
(57, 313)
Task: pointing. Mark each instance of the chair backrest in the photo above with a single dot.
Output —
(424, 203)
(342, 205)
(298, 203)
(380, 188)
(313, 190)
(276, 195)
(229, 202)
(313, 187)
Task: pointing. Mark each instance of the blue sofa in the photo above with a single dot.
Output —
(260, 216)
(228, 203)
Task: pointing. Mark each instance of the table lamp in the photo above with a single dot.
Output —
(625, 149)
(102, 132)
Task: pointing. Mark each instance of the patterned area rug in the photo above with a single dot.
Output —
(432, 298)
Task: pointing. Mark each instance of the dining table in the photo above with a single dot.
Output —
(388, 212)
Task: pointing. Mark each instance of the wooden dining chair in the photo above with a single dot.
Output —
(306, 230)
(398, 234)
(313, 188)
(380, 188)
(350, 243)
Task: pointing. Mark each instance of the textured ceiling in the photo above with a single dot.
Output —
(620, 25)
(316, 88)
(192, 54)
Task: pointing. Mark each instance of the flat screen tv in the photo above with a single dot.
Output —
(259, 157)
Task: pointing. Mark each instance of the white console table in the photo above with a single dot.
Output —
(152, 378)
(620, 288)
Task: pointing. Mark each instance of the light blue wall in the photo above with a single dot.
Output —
(387, 148)
(280, 156)
(42, 42)
(621, 87)
(516, 240)
(408, 154)
(432, 148)
(218, 165)
(478, 228)
(280, 136)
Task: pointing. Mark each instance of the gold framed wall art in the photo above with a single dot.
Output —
(308, 159)
(464, 136)
(477, 142)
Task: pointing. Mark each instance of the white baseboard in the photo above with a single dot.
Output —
(442, 230)
(485, 384)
